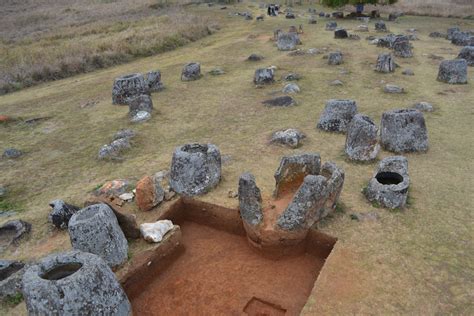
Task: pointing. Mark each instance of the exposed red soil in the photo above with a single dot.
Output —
(218, 273)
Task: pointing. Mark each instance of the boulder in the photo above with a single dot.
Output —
(140, 116)
(263, 76)
(250, 200)
(451, 31)
(341, 33)
(293, 169)
(195, 169)
(255, 57)
(361, 140)
(12, 232)
(287, 41)
(307, 205)
(335, 181)
(11, 274)
(61, 213)
(12, 153)
(290, 15)
(113, 150)
(124, 133)
(291, 88)
(139, 103)
(128, 86)
(402, 47)
(391, 88)
(467, 53)
(73, 283)
(462, 39)
(389, 185)
(153, 80)
(335, 58)
(331, 26)
(380, 26)
(403, 131)
(191, 71)
(149, 193)
(337, 115)
(283, 101)
(408, 72)
(290, 137)
(95, 229)
(385, 63)
(154, 232)
(423, 107)
(453, 71)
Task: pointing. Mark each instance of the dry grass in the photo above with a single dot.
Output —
(48, 40)
(419, 261)
(437, 8)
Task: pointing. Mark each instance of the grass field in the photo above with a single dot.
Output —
(417, 261)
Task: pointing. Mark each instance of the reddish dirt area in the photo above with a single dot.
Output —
(218, 273)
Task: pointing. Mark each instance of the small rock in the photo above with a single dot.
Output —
(298, 52)
(292, 77)
(354, 37)
(312, 20)
(290, 15)
(335, 58)
(437, 35)
(263, 76)
(12, 232)
(113, 150)
(290, 137)
(365, 217)
(11, 153)
(216, 72)
(113, 188)
(141, 116)
(153, 80)
(331, 26)
(385, 63)
(408, 72)
(232, 195)
(336, 83)
(283, 101)
(467, 53)
(169, 195)
(124, 133)
(380, 26)
(191, 71)
(391, 88)
(291, 88)
(149, 193)
(127, 197)
(61, 213)
(423, 106)
(138, 104)
(313, 51)
(154, 232)
(340, 33)
(363, 28)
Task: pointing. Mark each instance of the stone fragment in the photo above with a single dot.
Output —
(335, 58)
(263, 76)
(403, 131)
(139, 103)
(337, 115)
(128, 86)
(287, 41)
(437, 35)
(331, 26)
(73, 283)
(453, 71)
(140, 116)
(335, 181)
(255, 57)
(217, 72)
(341, 33)
(12, 232)
(290, 15)
(291, 77)
(11, 274)
(114, 188)
(154, 232)
(290, 137)
(61, 213)
(365, 217)
(408, 72)
(113, 150)
(423, 107)
(391, 88)
(385, 63)
(95, 229)
(12, 153)
(451, 32)
(124, 133)
(361, 140)
(250, 200)
(363, 28)
(389, 185)
(467, 53)
(153, 80)
(380, 26)
(191, 71)
(283, 101)
(195, 169)
(149, 193)
(291, 88)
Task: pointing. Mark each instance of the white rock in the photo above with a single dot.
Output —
(154, 232)
(126, 196)
(141, 116)
(291, 88)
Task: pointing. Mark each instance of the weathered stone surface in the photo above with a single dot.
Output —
(287, 41)
(12, 153)
(467, 53)
(341, 33)
(337, 115)
(95, 229)
(385, 63)
(263, 76)
(291, 88)
(124, 133)
(451, 32)
(195, 169)
(336, 83)
(153, 80)
(331, 26)
(291, 77)
(140, 116)
(408, 72)
(290, 137)
(73, 283)
(149, 193)
(335, 58)
(453, 71)
(191, 71)
(114, 188)
(380, 26)
(402, 47)
(295, 167)
(11, 274)
(335, 181)
(403, 131)
(361, 140)
(423, 107)
(250, 200)
(255, 57)
(437, 35)
(391, 88)
(283, 101)
(307, 205)
(128, 86)
(290, 15)
(462, 39)
(12, 232)
(139, 103)
(217, 72)
(389, 185)
(113, 150)
(61, 213)
(154, 232)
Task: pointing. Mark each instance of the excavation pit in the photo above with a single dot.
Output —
(213, 269)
